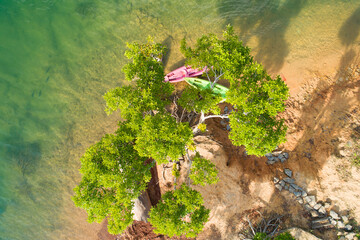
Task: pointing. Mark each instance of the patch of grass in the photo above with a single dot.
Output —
(356, 160)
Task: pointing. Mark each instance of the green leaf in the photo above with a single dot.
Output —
(113, 174)
(180, 212)
(203, 171)
(162, 138)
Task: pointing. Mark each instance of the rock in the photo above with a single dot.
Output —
(269, 156)
(277, 153)
(322, 210)
(342, 153)
(300, 200)
(223, 122)
(317, 206)
(276, 159)
(320, 223)
(307, 207)
(228, 127)
(270, 162)
(288, 172)
(226, 109)
(297, 194)
(311, 200)
(300, 234)
(286, 155)
(314, 213)
(296, 187)
(345, 219)
(333, 222)
(350, 236)
(303, 194)
(334, 215)
(342, 238)
(340, 224)
(291, 189)
(282, 183)
(282, 160)
(348, 227)
(278, 186)
(289, 180)
(327, 205)
(286, 187)
(276, 180)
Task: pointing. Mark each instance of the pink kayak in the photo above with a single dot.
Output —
(179, 74)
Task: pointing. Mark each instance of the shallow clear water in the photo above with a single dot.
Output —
(58, 57)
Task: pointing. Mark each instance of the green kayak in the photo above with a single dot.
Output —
(205, 84)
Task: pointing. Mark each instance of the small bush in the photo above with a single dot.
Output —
(284, 236)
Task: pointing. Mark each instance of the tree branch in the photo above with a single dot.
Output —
(215, 116)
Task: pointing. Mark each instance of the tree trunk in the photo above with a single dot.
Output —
(153, 188)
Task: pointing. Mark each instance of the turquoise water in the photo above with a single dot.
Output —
(58, 57)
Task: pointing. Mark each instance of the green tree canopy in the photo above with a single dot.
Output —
(228, 57)
(257, 97)
(113, 175)
(203, 171)
(260, 135)
(162, 138)
(193, 99)
(180, 212)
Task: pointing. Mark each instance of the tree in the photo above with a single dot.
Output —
(158, 136)
(203, 171)
(256, 96)
(180, 212)
(162, 138)
(113, 175)
(114, 169)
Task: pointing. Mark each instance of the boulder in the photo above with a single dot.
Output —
(317, 206)
(311, 200)
(282, 183)
(288, 172)
(314, 213)
(270, 162)
(278, 186)
(350, 236)
(340, 225)
(322, 210)
(333, 222)
(334, 215)
(345, 219)
(289, 180)
(348, 227)
(300, 234)
(297, 194)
